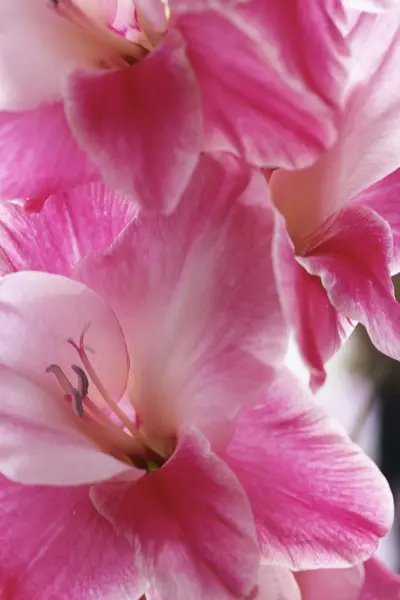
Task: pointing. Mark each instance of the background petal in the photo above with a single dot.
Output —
(331, 584)
(380, 583)
(55, 545)
(303, 299)
(142, 146)
(317, 500)
(196, 299)
(353, 259)
(191, 523)
(71, 225)
(271, 75)
(362, 154)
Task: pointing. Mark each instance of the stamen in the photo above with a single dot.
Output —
(100, 387)
(77, 395)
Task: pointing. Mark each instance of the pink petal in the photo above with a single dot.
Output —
(39, 441)
(40, 312)
(142, 146)
(38, 155)
(271, 75)
(190, 525)
(154, 12)
(384, 198)
(331, 584)
(277, 583)
(363, 154)
(380, 583)
(317, 500)
(303, 298)
(71, 225)
(38, 49)
(353, 258)
(201, 317)
(55, 545)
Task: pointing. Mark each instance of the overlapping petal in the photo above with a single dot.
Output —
(331, 584)
(55, 545)
(39, 156)
(71, 225)
(197, 302)
(303, 298)
(380, 583)
(317, 500)
(353, 261)
(271, 75)
(189, 523)
(362, 154)
(142, 146)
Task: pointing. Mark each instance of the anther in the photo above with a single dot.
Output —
(78, 394)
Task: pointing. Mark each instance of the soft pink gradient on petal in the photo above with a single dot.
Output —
(189, 522)
(71, 225)
(38, 154)
(276, 583)
(154, 12)
(55, 545)
(201, 317)
(362, 154)
(38, 49)
(303, 297)
(331, 584)
(271, 75)
(40, 312)
(141, 126)
(40, 443)
(380, 583)
(384, 198)
(373, 6)
(317, 500)
(353, 260)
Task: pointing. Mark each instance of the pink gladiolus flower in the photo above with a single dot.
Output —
(148, 443)
(136, 90)
(342, 213)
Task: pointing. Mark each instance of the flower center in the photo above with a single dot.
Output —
(105, 423)
(114, 49)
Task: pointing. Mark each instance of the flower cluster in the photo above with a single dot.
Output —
(184, 185)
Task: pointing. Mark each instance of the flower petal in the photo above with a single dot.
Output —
(143, 147)
(362, 155)
(190, 525)
(380, 583)
(40, 442)
(331, 584)
(55, 545)
(201, 316)
(384, 198)
(71, 225)
(317, 500)
(303, 297)
(277, 583)
(38, 49)
(271, 75)
(40, 312)
(353, 258)
(38, 154)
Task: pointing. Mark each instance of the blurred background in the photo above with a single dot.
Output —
(362, 391)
